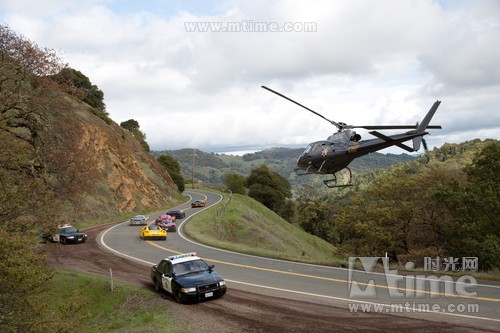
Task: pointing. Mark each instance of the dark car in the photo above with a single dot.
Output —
(178, 213)
(188, 278)
(68, 234)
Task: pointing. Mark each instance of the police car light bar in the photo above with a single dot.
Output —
(191, 254)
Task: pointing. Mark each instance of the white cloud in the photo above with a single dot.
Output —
(367, 63)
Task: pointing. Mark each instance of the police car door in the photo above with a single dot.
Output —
(167, 276)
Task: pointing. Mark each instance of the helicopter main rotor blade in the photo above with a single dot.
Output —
(305, 107)
(394, 127)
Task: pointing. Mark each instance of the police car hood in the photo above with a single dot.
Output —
(74, 234)
(198, 278)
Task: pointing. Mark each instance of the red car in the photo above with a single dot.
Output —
(166, 222)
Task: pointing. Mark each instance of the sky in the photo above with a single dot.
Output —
(190, 72)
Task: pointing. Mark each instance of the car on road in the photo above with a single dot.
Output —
(166, 222)
(198, 203)
(188, 278)
(153, 231)
(139, 220)
(178, 213)
(69, 234)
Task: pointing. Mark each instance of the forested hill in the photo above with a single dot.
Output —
(444, 204)
(212, 167)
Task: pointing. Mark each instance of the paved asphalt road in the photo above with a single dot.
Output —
(313, 283)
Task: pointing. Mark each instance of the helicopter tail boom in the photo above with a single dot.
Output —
(423, 125)
(391, 140)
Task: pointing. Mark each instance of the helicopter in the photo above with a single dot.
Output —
(341, 148)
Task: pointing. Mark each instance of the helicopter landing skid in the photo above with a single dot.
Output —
(332, 183)
(301, 172)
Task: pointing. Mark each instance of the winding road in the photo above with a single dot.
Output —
(304, 282)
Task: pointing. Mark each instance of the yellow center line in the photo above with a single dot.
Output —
(327, 278)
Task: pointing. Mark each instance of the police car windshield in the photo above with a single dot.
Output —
(191, 266)
(68, 230)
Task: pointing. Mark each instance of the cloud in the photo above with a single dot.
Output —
(366, 63)
(467, 56)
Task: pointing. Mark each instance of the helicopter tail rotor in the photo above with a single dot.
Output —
(423, 126)
(426, 149)
(424, 143)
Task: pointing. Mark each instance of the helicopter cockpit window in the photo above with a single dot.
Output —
(308, 149)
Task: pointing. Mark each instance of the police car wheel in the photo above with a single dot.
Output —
(177, 295)
(157, 285)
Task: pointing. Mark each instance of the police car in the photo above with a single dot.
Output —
(69, 234)
(187, 278)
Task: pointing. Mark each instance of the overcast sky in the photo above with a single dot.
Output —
(192, 80)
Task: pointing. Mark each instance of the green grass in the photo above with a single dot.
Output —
(247, 226)
(88, 305)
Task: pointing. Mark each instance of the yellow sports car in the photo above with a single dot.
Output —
(153, 232)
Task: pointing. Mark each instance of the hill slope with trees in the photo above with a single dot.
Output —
(62, 161)
(444, 204)
(93, 167)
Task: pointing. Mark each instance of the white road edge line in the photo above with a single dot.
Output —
(348, 300)
(268, 287)
(180, 232)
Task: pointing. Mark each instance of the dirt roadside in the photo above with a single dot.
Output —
(240, 311)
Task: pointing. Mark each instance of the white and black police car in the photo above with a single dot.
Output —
(188, 278)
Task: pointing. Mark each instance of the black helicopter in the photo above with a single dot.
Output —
(340, 149)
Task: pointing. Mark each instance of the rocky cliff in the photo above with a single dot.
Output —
(91, 167)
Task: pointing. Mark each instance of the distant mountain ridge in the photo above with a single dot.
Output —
(212, 167)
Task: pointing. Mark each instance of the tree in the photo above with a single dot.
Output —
(173, 168)
(272, 190)
(76, 83)
(396, 214)
(483, 182)
(133, 127)
(28, 205)
(474, 206)
(130, 125)
(38, 61)
(235, 183)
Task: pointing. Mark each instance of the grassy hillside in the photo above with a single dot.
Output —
(246, 226)
(95, 308)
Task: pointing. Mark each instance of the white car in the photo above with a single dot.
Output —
(139, 220)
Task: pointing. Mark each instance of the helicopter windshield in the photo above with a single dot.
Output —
(308, 148)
